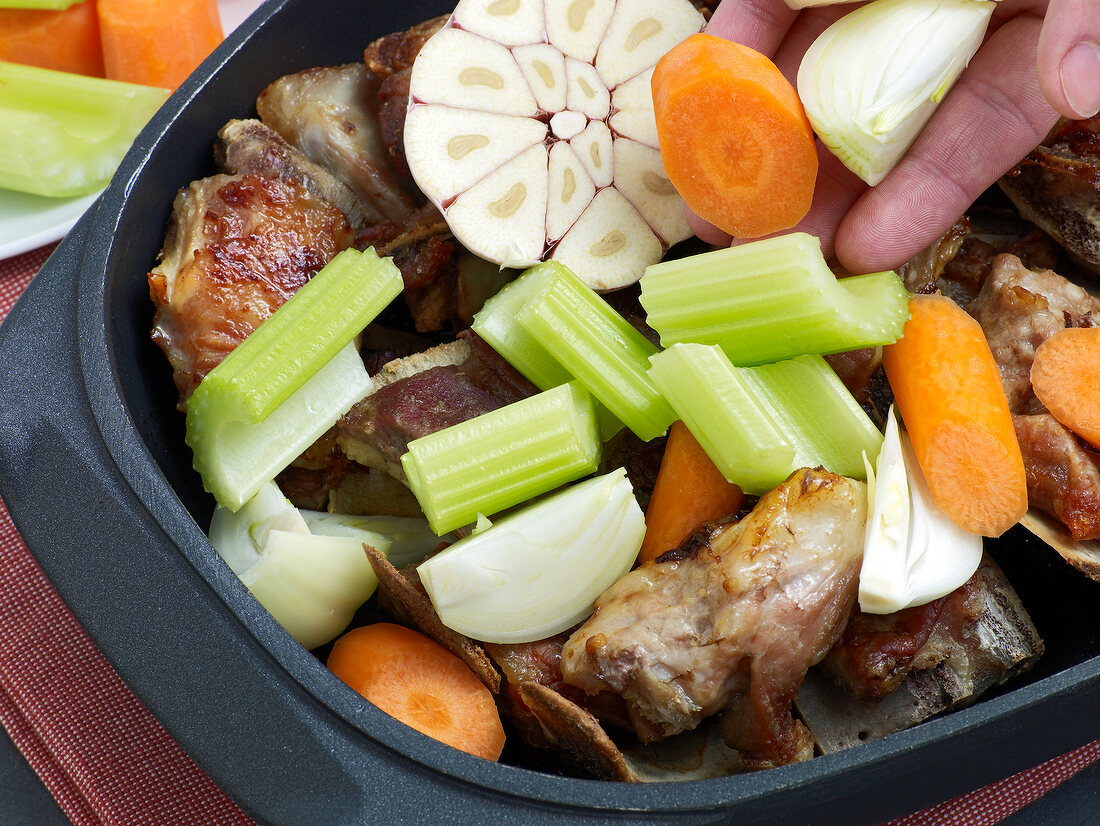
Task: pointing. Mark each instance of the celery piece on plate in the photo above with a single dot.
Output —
(290, 380)
(770, 300)
(599, 347)
(759, 424)
(538, 570)
(498, 323)
(503, 457)
(64, 134)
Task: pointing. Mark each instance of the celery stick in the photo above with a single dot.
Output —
(600, 348)
(759, 424)
(771, 300)
(497, 323)
(289, 381)
(64, 134)
(503, 457)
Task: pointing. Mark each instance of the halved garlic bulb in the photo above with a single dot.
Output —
(530, 126)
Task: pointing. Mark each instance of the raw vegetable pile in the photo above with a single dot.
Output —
(739, 382)
(78, 81)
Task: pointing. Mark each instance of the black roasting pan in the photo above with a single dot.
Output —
(95, 474)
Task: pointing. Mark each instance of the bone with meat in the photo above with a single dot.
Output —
(731, 622)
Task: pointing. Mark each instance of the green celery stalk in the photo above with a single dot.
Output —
(64, 134)
(600, 348)
(771, 300)
(497, 323)
(760, 424)
(503, 457)
(290, 380)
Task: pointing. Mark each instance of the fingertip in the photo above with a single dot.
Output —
(706, 231)
(1079, 78)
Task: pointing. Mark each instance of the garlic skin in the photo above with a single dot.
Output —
(871, 81)
(517, 109)
(913, 553)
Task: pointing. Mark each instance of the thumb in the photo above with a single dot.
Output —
(1069, 57)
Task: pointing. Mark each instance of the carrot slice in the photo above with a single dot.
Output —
(1066, 378)
(948, 389)
(689, 491)
(66, 40)
(735, 140)
(157, 44)
(422, 684)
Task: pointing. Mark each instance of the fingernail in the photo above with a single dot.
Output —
(1080, 74)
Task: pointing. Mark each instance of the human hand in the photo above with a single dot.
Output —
(1041, 58)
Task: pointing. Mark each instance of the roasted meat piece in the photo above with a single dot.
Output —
(247, 147)
(236, 249)
(890, 672)
(732, 620)
(329, 113)
(1019, 309)
(426, 392)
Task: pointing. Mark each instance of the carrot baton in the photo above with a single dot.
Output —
(735, 140)
(689, 491)
(155, 44)
(1065, 376)
(422, 684)
(65, 40)
(948, 389)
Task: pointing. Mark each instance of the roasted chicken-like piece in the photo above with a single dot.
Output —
(329, 113)
(236, 249)
(731, 621)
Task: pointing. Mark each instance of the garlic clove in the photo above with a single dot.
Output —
(503, 216)
(576, 27)
(544, 68)
(587, 94)
(464, 70)
(511, 22)
(594, 147)
(455, 148)
(632, 105)
(610, 242)
(571, 190)
(641, 178)
(639, 34)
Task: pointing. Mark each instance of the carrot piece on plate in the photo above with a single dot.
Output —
(156, 43)
(735, 140)
(66, 40)
(689, 491)
(948, 389)
(1066, 379)
(422, 684)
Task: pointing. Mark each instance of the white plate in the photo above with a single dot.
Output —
(29, 221)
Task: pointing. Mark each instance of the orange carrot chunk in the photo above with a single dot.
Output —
(156, 43)
(948, 389)
(735, 140)
(689, 491)
(1066, 378)
(422, 684)
(66, 40)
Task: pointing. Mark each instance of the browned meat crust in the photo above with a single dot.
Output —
(733, 622)
(249, 147)
(1063, 474)
(236, 249)
(397, 51)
